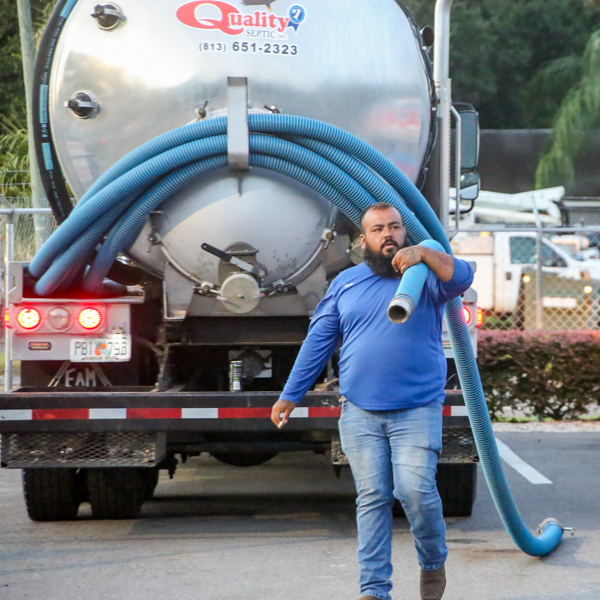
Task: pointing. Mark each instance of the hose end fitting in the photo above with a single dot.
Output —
(400, 308)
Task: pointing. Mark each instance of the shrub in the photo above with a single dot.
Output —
(543, 373)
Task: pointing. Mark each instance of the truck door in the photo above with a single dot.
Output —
(523, 250)
(511, 253)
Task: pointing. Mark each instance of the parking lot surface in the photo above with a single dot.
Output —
(286, 531)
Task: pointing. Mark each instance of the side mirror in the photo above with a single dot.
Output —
(469, 143)
(469, 151)
(469, 186)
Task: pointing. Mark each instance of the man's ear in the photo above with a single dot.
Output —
(363, 241)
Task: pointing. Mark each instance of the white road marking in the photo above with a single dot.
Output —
(519, 465)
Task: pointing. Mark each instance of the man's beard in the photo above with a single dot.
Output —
(380, 263)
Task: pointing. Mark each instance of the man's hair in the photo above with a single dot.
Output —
(378, 206)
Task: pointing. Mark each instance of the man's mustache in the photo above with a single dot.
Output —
(389, 242)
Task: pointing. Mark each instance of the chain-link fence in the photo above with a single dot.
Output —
(527, 278)
(534, 278)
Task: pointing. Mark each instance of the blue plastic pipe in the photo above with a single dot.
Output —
(410, 288)
(344, 169)
(401, 306)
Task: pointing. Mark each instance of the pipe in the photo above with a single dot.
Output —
(441, 76)
(409, 291)
(341, 167)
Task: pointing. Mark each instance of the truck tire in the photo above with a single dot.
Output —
(150, 477)
(51, 494)
(116, 493)
(244, 460)
(457, 484)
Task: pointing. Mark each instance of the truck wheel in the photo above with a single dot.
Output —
(116, 493)
(457, 484)
(244, 460)
(51, 494)
(150, 477)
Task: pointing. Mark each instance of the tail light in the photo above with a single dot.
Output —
(466, 315)
(59, 318)
(29, 318)
(7, 318)
(479, 317)
(90, 318)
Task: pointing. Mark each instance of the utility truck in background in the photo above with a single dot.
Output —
(502, 256)
(187, 347)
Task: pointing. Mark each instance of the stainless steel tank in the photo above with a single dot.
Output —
(149, 67)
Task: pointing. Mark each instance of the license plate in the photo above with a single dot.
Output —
(109, 348)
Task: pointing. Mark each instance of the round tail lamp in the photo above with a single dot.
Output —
(29, 318)
(90, 318)
(59, 318)
(466, 315)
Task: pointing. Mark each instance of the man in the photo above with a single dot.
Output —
(392, 380)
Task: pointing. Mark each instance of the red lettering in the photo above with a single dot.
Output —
(232, 21)
(187, 15)
(235, 19)
(283, 23)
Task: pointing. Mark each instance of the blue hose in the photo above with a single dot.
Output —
(410, 288)
(344, 169)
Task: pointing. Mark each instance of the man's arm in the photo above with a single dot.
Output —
(322, 338)
(454, 276)
(440, 263)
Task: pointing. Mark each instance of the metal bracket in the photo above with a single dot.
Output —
(238, 145)
(178, 292)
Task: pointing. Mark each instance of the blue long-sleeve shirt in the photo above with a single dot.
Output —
(383, 365)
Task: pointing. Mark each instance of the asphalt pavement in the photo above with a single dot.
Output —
(286, 531)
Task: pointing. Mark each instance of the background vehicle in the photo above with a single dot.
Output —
(225, 274)
(501, 258)
(578, 246)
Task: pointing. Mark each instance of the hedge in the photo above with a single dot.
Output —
(542, 373)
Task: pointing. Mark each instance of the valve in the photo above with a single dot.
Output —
(108, 15)
(83, 105)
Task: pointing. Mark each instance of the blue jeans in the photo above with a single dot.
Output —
(394, 454)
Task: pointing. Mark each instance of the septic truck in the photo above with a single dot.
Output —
(207, 163)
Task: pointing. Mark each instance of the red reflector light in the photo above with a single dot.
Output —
(90, 318)
(7, 318)
(466, 315)
(29, 318)
(479, 317)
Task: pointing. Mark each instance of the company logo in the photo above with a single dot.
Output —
(222, 16)
(101, 349)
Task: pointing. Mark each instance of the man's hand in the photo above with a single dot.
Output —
(407, 257)
(440, 263)
(282, 406)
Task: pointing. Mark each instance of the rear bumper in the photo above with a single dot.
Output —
(145, 410)
(51, 429)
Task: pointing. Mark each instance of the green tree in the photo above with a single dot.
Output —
(579, 113)
(13, 119)
(504, 51)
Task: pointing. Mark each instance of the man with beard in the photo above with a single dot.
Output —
(392, 383)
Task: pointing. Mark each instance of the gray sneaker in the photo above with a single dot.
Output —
(433, 583)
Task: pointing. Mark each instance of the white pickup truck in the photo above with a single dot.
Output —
(501, 257)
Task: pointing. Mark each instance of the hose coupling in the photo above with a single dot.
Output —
(400, 308)
(550, 521)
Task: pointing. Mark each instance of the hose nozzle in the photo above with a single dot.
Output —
(400, 308)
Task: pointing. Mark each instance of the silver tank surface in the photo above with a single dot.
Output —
(351, 63)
